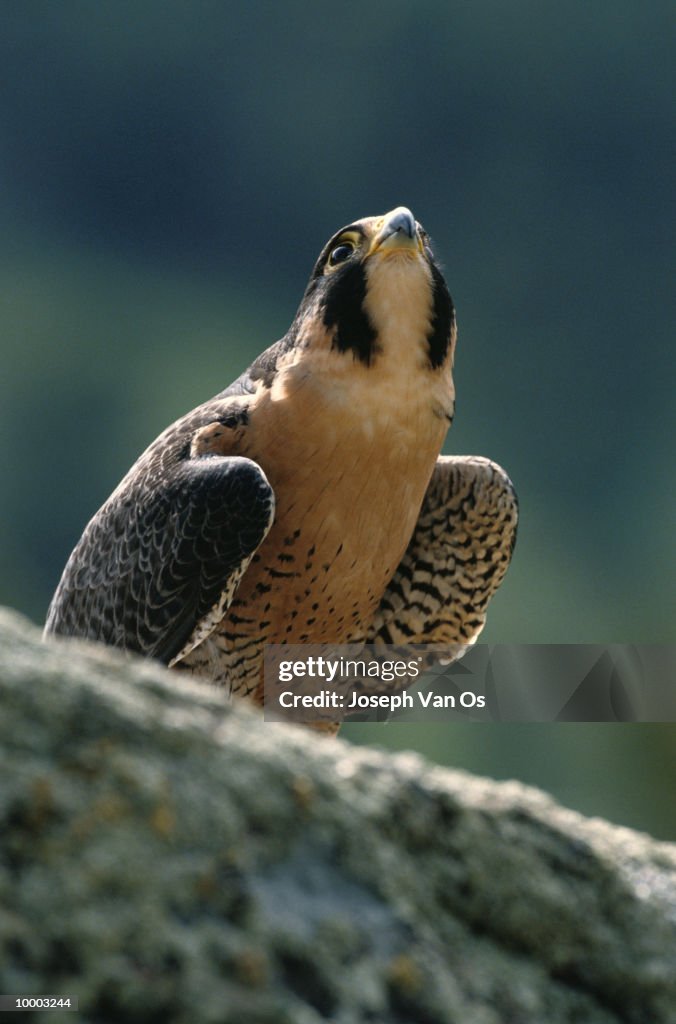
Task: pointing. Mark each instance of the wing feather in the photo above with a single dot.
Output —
(456, 560)
(158, 565)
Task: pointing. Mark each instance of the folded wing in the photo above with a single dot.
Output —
(456, 559)
(158, 565)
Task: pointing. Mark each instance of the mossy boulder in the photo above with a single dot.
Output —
(166, 857)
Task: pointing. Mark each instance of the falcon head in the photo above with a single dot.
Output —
(376, 311)
(377, 291)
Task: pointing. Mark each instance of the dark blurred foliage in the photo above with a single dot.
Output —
(168, 172)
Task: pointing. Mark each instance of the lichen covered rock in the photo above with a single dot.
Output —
(167, 858)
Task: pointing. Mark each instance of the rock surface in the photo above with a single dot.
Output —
(167, 858)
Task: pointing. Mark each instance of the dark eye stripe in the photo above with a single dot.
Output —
(344, 310)
(443, 316)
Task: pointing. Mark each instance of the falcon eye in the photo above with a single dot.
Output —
(341, 253)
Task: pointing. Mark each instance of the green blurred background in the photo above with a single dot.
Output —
(168, 173)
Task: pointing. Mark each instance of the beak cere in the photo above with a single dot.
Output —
(398, 231)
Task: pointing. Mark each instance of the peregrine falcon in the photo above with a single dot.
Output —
(308, 501)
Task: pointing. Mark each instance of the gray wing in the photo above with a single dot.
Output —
(159, 563)
(456, 560)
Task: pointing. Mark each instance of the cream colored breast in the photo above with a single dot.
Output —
(349, 451)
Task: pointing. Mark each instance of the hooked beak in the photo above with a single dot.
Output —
(398, 231)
